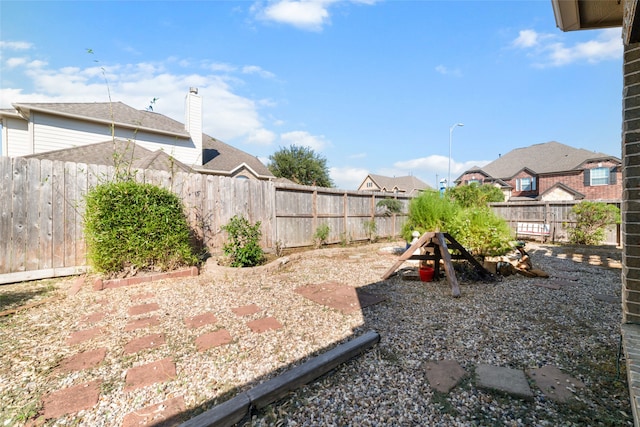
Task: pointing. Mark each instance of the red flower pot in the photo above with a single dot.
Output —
(426, 274)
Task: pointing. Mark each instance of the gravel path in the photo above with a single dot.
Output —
(510, 323)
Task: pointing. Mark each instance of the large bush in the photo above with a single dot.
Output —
(592, 218)
(474, 226)
(137, 226)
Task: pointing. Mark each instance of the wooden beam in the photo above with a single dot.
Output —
(448, 266)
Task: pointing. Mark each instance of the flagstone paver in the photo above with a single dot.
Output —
(84, 360)
(94, 317)
(151, 373)
(71, 399)
(246, 310)
(200, 320)
(144, 343)
(444, 375)
(506, 380)
(264, 324)
(345, 298)
(142, 296)
(554, 383)
(143, 308)
(84, 335)
(163, 414)
(145, 322)
(213, 339)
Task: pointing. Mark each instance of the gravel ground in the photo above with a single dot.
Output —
(510, 323)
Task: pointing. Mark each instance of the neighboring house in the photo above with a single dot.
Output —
(409, 185)
(37, 128)
(551, 171)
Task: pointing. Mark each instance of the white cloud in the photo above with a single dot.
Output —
(358, 156)
(347, 178)
(310, 15)
(304, 139)
(254, 69)
(427, 168)
(526, 38)
(548, 52)
(15, 45)
(307, 15)
(226, 115)
(15, 62)
(446, 71)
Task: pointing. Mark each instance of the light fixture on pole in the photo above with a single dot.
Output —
(450, 138)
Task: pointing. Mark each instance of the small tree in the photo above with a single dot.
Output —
(301, 165)
(591, 220)
(390, 206)
(321, 235)
(243, 246)
(474, 195)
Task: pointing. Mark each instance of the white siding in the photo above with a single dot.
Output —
(15, 138)
(55, 133)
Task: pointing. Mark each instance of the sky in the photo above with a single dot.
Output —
(372, 86)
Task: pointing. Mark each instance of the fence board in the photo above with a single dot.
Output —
(46, 215)
(32, 232)
(70, 201)
(58, 206)
(82, 181)
(6, 171)
(19, 196)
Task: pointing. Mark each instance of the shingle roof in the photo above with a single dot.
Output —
(404, 183)
(110, 112)
(543, 158)
(103, 153)
(220, 157)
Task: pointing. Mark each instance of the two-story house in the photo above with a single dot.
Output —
(87, 131)
(551, 171)
(409, 185)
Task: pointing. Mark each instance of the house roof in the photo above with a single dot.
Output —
(223, 158)
(404, 183)
(218, 157)
(102, 153)
(109, 112)
(549, 157)
(583, 14)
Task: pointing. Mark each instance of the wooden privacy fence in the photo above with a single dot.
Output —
(556, 215)
(42, 207)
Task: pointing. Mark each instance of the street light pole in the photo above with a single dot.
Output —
(450, 138)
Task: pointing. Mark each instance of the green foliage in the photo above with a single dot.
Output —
(475, 195)
(477, 228)
(301, 165)
(137, 226)
(390, 206)
(370, 229)
(321, 235)
(592, 219)
(243, 246)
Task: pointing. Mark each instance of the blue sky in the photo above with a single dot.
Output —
(373, 86)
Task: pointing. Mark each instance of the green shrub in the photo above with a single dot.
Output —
(321, 235)
(474, 195)
(476, 228)
(592, 218)
(138, 226)
(370, 228)
(390, 206)
(243, 246)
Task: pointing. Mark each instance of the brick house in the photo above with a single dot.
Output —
(551, 172)
(397, 185)
(87, 131)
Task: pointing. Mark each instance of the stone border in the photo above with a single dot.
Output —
(234, 410)
(100, 284)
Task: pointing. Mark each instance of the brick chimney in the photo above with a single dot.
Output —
(193, 121)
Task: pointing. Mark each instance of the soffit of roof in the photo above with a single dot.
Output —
(116, 113)
(221, 157)
(574, 15)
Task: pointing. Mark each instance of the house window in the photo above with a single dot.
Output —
(369, 184)
(526, 184)
(473, 181)
(599, 176)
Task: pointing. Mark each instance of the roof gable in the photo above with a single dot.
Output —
(402, 183)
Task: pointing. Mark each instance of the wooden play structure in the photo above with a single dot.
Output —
(435, 246)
